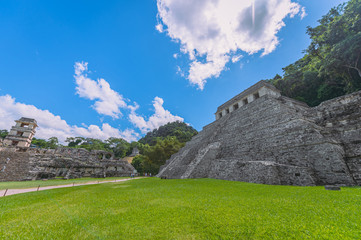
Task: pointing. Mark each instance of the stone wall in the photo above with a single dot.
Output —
(341, 120)
(277, 140)
(13, 165)
(31, 164)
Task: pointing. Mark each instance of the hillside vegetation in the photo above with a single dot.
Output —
(160, 144)
(331, 66)
(180, 130)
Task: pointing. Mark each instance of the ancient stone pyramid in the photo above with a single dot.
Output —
(273, 139)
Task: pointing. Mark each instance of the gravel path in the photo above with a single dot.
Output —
(9, 192)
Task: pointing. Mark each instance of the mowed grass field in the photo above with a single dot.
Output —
(182, 209)
(52, 182)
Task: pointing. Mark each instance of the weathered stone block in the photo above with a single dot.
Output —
(334, 188)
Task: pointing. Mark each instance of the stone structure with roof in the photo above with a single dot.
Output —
(261, 136)
(256, 91)
(22, 133)
(135, 152)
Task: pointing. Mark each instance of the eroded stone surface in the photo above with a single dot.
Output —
(277, 140)
(32, 164)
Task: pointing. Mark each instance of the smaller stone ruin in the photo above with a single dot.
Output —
(19, 162)
(22, 133)
(135, 152)
(35, 163)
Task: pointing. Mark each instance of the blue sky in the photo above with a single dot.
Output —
(140, 63)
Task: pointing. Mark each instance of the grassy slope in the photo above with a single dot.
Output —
(32, 184)
(182, 209)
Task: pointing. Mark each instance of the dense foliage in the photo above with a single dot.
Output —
(118, 146)
(3, 133)
(52, 142)
(155, 156)
(331, 65)
(160, 144)
(180, 130)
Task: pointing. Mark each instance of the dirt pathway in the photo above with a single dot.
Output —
(9, 192)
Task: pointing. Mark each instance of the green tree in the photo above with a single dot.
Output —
(180, 130)
(119, 146)
(139, 163)
(88, 143)
(40, 143)
(337, 43)
(94, 144)
(74, 141)
(53, 142)
(50, 143)
(3, 133)
(331, 64)
(160, 152)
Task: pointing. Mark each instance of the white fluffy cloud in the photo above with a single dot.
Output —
(51, 125)
(212, 32)
(236, 58)
(107, 101)
(159, 118)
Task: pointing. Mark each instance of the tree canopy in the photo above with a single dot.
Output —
(160, 144)
(155, 156)
(331, 66)
(52, 143)
(118, 146)
(3, 133)
(180, 130)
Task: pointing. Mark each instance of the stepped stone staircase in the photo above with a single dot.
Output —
(277, 140)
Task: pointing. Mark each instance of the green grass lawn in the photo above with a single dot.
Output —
(53, 182)
(182, 209)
